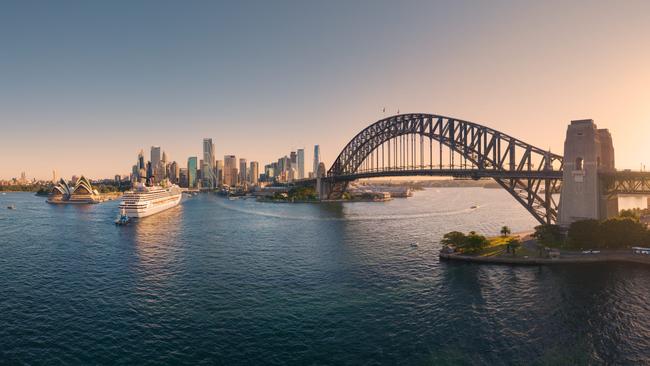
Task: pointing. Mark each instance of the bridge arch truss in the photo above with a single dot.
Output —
(433, 145)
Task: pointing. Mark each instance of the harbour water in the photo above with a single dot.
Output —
(214, 281)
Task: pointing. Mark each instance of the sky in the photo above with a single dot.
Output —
(84, 85)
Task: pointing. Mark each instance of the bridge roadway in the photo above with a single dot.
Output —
(455, 173)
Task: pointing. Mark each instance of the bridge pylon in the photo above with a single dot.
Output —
(588, 151)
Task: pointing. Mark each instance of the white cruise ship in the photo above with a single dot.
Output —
(145, 201)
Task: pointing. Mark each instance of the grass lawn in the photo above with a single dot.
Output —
(497, 247)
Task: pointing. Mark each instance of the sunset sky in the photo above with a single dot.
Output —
(86, 84)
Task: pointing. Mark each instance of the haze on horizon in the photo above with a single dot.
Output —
(86, 85)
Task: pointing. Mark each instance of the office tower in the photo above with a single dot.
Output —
(141, 161)
(172, 172)
(218, 171)
(135, 174)
(155, 155)
(191, 172)
(182, 177)
(300, 161)
(294, 158)
(242, 171)
(54, 176)
(268, 172)
(254, 172)
(316, 159)
(149, 174)
(156, 158)
(207, 167)
(230, 170)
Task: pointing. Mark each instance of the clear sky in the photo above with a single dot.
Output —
(84, 85)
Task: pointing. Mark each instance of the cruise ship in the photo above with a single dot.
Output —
(145, 201)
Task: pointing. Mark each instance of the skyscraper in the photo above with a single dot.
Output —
(191, 172)
(316, 159)
(242, 171)
(218, 170)
(300, 161)
(156, 158)
(254, 172)
(230, 170)
(141, 160)
(207, 168)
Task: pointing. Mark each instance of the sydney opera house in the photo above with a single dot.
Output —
(82, 192)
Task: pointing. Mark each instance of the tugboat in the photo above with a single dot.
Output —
(124, 219)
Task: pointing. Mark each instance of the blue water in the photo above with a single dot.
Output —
(246, 283)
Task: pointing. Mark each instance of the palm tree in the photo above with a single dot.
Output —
(505, 231)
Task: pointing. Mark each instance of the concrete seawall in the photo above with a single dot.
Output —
(595, 258)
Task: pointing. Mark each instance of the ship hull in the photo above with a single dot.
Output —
(151, 208)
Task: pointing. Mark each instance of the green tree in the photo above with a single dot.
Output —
(454, 238)
(585, 234)
(619, 233)
(549, 235)
(505, 231)
(633, 214)
(474, 242)
(514, 244)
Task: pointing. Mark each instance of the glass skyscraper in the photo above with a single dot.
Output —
(316, 159)
(192, 165)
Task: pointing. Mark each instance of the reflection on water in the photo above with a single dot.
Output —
(244, 282)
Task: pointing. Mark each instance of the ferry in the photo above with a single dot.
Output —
(145, 201)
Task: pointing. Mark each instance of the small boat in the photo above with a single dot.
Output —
(414, 244)
(474, 207)
(124, 219)
(4, 194)
(11, 207)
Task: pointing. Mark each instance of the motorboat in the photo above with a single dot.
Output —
(11, 207)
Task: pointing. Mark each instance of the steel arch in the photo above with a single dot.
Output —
(530, 174)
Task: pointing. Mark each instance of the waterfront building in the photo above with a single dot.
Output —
(316, 159)
(230, 170)
(218, 171)
(156, 158)
(172, 172)
(191, 172)
(183, 178)
(254, 172)
(83, 192)
(242, 171)
(141, 160)
(300, 161)
(293, 157)
(207, 167)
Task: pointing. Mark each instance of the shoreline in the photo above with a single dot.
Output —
(591, 258)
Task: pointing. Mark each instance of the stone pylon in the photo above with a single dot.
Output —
(587, 151)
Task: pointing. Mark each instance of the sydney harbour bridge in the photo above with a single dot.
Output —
(553, 188)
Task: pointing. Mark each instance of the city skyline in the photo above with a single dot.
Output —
(292, 75)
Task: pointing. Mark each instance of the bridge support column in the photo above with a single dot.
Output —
(587, 150)
(323, 188)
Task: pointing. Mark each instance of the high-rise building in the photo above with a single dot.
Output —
(294, 158)
(156, 158)
(54, 176)
(173, 172)
(316, 159)
(207, 167)
(230, 170)
(182, 177)
(242, 171)
(300, 161)
(141, 161)
(218, 170)
(254, 172)
(191, 172)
